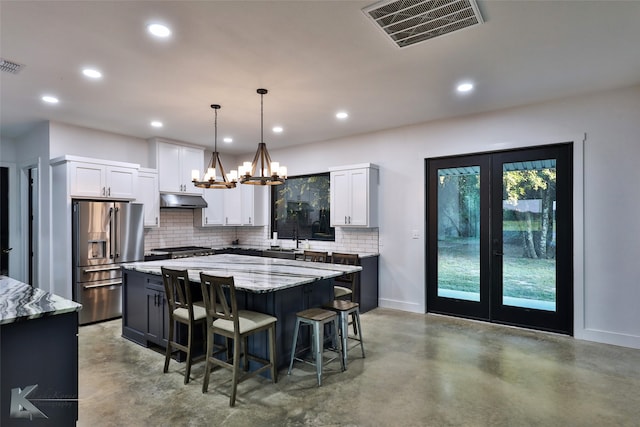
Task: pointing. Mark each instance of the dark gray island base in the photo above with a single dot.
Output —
(38, 357)
(277, 287)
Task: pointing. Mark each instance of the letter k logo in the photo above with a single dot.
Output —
(21, 407)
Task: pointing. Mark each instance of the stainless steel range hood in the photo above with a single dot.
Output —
(181, 201)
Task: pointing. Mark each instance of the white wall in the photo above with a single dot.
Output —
(85, 142)
(607, 307)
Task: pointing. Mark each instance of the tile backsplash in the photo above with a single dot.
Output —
(177, 229)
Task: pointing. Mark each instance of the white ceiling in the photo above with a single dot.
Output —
(314, 57)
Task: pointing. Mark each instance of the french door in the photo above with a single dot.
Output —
(499, 244)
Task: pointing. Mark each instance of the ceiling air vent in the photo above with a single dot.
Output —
(408, 22)
(10, 66)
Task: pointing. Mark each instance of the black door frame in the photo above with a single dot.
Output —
(491, 308)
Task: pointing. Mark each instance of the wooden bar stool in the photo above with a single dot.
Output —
(346, 285)
(316, 318)
(182, 309)
(224, 319)
(315, 256)
(344, 309)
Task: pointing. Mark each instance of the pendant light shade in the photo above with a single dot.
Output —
(214, 176)
(262, 171)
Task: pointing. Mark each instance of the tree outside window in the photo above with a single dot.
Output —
(300, 208)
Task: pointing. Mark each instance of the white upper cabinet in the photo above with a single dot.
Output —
(213, 214)
(254, 204)
(175, 163)
(102, 180)
(149, 195)
(233, 206)
(354, 196)
(244, 205)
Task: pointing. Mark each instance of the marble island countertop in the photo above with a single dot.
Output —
(296, 251)
(19, 301)
(250, 273)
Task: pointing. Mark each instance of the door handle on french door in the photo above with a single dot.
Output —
(496, 245)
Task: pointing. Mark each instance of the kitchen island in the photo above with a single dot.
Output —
(38, 356)
(279, 287)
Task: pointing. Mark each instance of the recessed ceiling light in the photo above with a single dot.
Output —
(159, 30)
(50, 99)
(342, 115)
(465, 87)
(156, 124)
(92, 73)
(277, 129)
(228, 139)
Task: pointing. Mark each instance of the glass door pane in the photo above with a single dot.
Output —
(529, 234)
(458, 248)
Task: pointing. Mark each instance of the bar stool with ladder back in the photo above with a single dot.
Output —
(224, 319)
(315, 256)
(182, 310)
(344, 303)
(345, 285)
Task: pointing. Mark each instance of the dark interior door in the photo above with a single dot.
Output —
(499, 245)
(4, 221)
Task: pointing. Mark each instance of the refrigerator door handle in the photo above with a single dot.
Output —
(116, 237)
(98, 270)
(102, 285)
(111, 234)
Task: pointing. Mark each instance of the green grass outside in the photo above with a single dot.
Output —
(459, 270)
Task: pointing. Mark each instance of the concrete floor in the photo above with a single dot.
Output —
(420, 370)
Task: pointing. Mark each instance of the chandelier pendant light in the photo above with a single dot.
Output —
(214, 176)
(262, 171)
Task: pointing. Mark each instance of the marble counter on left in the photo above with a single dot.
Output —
(19, 302)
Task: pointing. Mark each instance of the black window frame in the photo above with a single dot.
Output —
(312, 223)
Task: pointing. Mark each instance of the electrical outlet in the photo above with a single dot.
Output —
(415, 234)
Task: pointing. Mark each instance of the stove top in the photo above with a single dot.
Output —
(181, 249)
(185, 251)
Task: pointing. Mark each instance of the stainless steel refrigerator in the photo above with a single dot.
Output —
(105, 235)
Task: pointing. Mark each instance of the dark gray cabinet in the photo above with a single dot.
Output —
(145, 319)
(145, 316)
(157, 314)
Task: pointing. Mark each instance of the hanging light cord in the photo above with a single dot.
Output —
(215, 137)
(261, 117)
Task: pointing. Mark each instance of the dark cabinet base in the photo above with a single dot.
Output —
(141, 322)
(40, 352)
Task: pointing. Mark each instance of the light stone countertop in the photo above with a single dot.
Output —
(20, 301)
(250, 273)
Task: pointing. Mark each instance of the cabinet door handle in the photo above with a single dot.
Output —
(109, 192)
(349, 219)
(206, 220)
(156, 220)
(103, 191)
(249, 220)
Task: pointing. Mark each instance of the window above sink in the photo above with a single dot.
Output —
(300, 208)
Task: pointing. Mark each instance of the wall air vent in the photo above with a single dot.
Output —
(10, 66)
(408, 22)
